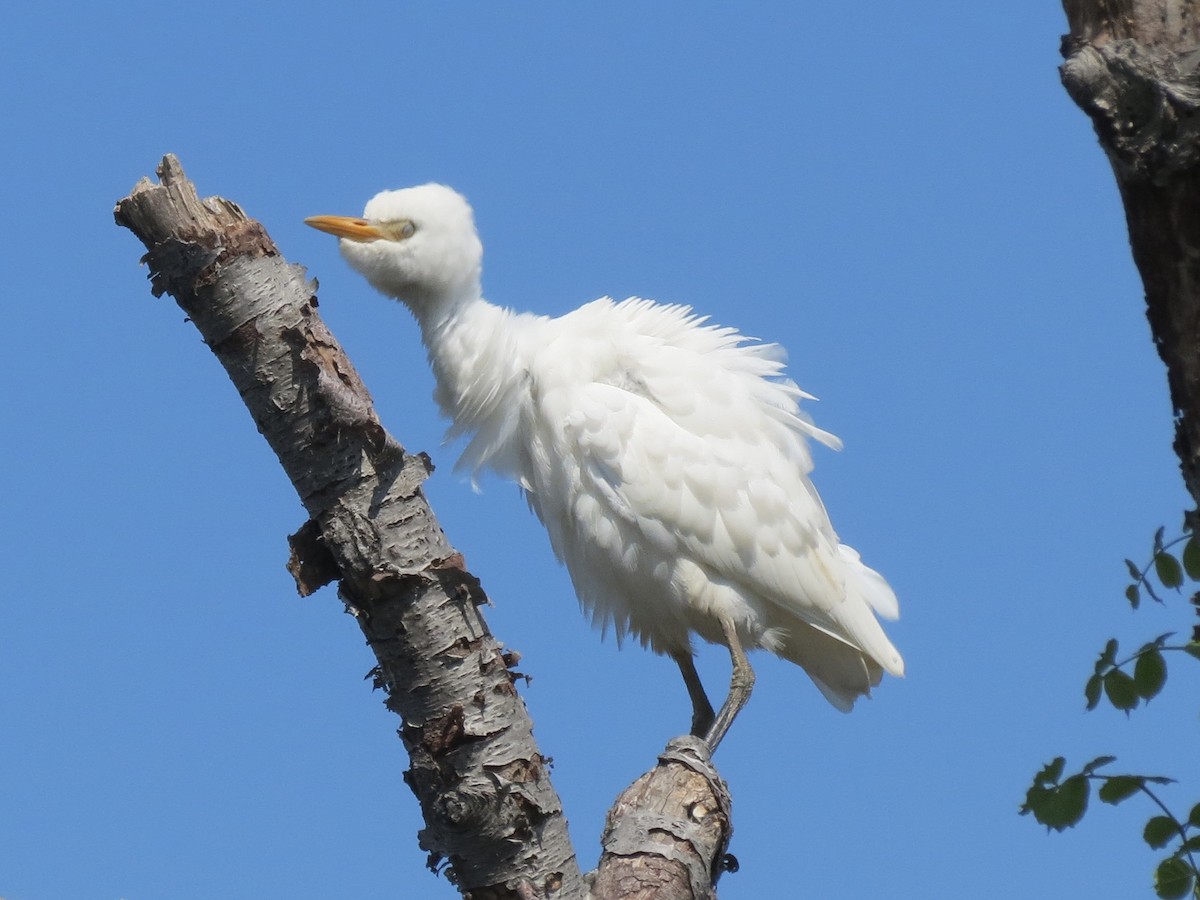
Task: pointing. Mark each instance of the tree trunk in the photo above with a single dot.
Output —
(490, 810)
(1132, 66)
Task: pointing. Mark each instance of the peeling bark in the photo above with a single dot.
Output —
(489, 807)
(490, 810)
(665, 837)
(1134, 67)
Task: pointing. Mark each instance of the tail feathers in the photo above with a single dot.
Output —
(867, 594)
(861, 579)
(847, 654)
(841, 672)
(864, 634)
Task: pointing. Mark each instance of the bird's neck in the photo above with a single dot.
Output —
(479, 354)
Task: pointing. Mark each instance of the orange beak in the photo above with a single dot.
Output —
(347, 227)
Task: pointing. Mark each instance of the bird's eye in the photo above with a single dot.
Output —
(398, 230)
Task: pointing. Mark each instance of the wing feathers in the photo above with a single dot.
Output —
(670, 463)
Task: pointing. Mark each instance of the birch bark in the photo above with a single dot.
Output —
(490, 810)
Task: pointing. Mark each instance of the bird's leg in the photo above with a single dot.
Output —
(741, 682)
(702, 711)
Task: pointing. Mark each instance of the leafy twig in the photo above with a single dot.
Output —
(1059, 803)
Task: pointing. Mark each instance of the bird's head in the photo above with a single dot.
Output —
(418, 245)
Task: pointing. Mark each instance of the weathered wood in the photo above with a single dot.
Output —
(484, 789)
(666, 835)
(1134, 67)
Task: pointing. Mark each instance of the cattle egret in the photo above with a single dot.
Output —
(666, 457)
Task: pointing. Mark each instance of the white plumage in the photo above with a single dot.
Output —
(667, 458)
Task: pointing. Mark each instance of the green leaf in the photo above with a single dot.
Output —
(1133, 595)
(1068, 804)
(1121, 690)
(1073, 799)
(1108, 656)
(1160, 831)
(1193, 649)
(1194, 816)
(1097, 763)
(1118, 788)
(1150, 674)
(1191, 558)
(1058, 807)
(1134, 572)
(1051, 772)
(1158, 536)
(1172, 879)
(1092, 690)
(1191, 845)
(1168, 570)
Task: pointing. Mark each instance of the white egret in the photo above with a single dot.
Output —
(666, 457)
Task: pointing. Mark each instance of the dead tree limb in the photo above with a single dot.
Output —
(665, 837)
(489, 807)
(1134, 67)
(483, 786)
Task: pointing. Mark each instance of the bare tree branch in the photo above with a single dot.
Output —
(484, 789)
(665, 837)
(489, 807)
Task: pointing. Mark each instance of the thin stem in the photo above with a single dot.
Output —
(1142, 579)
(1145, 650)
(1181, 827)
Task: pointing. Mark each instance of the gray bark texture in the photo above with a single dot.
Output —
(1134, 67)
(665, 837)
(491, 814)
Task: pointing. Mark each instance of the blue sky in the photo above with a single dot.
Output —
(905, 198)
